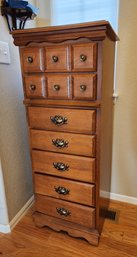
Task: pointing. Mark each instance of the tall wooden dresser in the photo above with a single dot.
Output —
(67, 75)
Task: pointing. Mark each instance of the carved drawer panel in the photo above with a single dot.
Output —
(84, 86)
(84, 57)
(71, 120)
(59, 86)
(35, 86)
(57, 58)
(65, 189)
(64, 165)
(72, 212)
(63, 142)
(33, 59)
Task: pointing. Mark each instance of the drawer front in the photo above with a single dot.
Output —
(84, 57)
(33, 59)
(35, 86)
(59, 86)
(57, 58)
(64, 189)
(63, 142)
(63, 165)
(80, 121)
(84, 86)
(72, 212)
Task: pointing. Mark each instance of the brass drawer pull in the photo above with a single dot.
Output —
(55, 58)
(60, 143)
(83, 88)
(63, 211)
(83, 58)
(62, 190)
(59, 120)
(32, 87)
(30, 59)
(56, 87)
(60, 166)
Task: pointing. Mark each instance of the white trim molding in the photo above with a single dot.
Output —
(8, 228)
(5, 228)
(123, 198)
(118, 197)
(21, 213)
(4, 219)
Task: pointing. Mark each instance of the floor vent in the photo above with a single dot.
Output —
(111, 214)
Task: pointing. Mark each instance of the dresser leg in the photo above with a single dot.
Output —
(42, 220)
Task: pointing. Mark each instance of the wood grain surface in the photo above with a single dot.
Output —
(80, 168)
(77, 144)
(117, 239)
(79, 121)
(78, 192)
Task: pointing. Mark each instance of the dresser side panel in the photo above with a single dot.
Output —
(106, 124)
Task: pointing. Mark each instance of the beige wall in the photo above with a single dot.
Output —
(14, 151)
(44, 15)
(124, 167)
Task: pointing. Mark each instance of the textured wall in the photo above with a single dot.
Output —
(124, 168)
(14, 151)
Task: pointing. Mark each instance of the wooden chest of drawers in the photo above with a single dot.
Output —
(68, 85)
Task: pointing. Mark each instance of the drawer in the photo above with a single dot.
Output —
(33, 59)
(65, 189)
(64, 165)
(76, 213)
(35, 86)
(57, 58)
(59, 86)
(71, 120)
(63, 142)
(84, 57)
(84, 86)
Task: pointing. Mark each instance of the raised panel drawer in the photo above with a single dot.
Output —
(64, 165)
(65, 189)
(58, 86)
(84, 57)
(57, 58)
(63, 142)
(84, 86)
(76, 213)
(71, 120)
(35, 86)
(33, 59)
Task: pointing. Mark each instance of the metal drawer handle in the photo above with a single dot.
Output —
(83, 88)
(63, 211)
(60, 166)
(62, 190)
(60, 143)
(55, 58)
(59, 120)
(32, 87)
(56, 87)
(30, 59)
(83, 57)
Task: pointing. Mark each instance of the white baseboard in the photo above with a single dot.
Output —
(5, 228)
(123, 198)
(21, 213)
(8, 228)
(118, 197)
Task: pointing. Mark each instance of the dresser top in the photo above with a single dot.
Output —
(98, 30)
